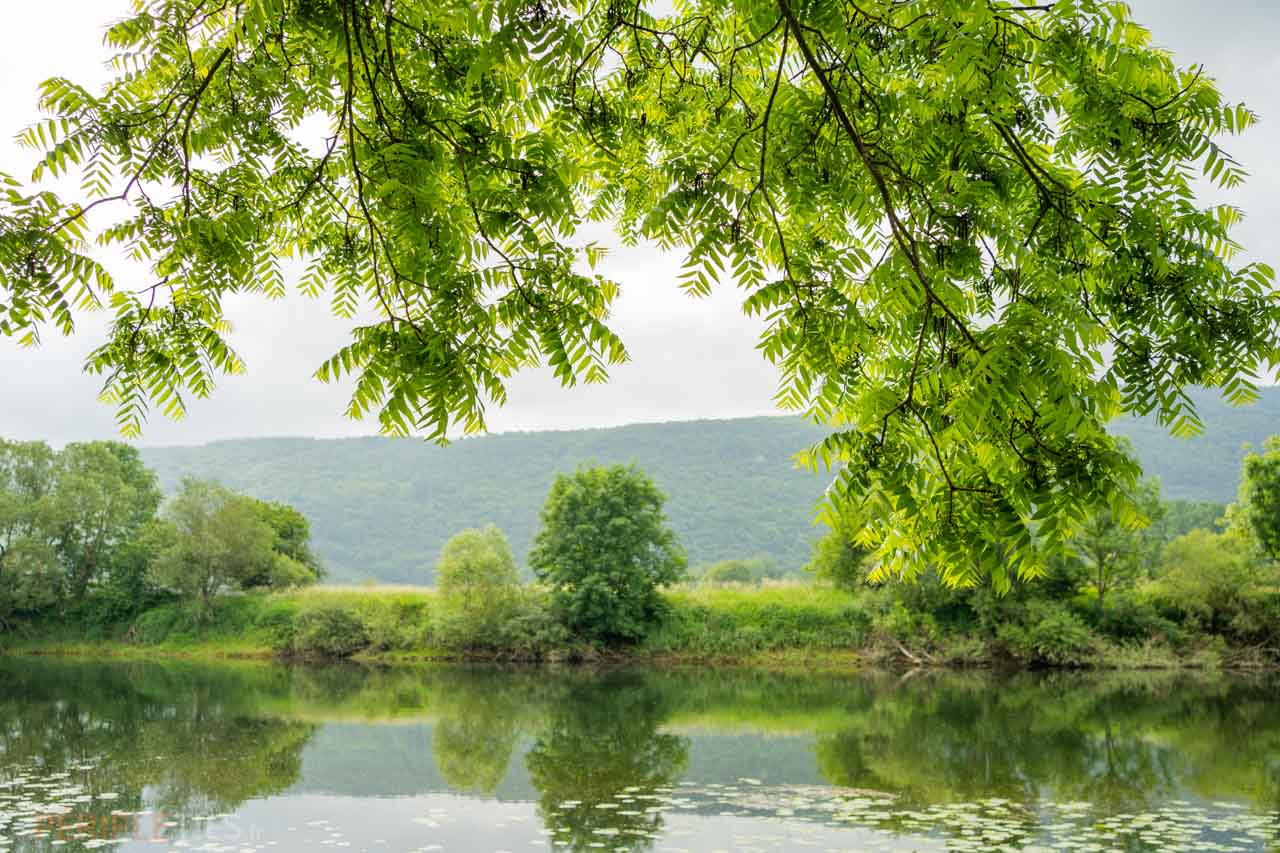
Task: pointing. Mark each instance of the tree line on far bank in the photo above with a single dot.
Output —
(86, 537)
(84, 533)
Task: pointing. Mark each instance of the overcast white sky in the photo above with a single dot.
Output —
(690, 358)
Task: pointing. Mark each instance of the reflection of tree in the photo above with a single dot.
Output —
(473, 741)
(601, 747)
(194, 752)
(472, 754)
(1122, 744)
(482, 712)
(203, 739)
(211, 765)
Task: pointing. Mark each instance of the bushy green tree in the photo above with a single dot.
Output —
(29, 569)
(1210, 576)
(476, 564)
(1117, 547)
(478, 582)
(128, 588)
(1260, 496)
(605, 548)
(30, 573)
(837, 555)
(104, 495)
(971, 224)
(295, 564)
(217, 541)
(748, 570)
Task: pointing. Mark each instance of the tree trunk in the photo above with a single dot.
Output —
(1102, 588)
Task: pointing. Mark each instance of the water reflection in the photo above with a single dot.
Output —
(600, 762)
(621, 758)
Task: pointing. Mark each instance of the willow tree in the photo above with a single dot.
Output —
(969, 225)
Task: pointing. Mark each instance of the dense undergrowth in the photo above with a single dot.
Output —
(779, 622)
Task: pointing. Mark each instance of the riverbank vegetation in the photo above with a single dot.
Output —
(223, 575)
(84, 539)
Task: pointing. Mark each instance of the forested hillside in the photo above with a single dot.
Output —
(1205, 468)
(382, 508)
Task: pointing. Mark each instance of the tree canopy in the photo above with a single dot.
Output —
(1114, 552)
(970, 226)
(477, 561)
(605, 548)
(1260, 496)
(214, 539)
(104, 496)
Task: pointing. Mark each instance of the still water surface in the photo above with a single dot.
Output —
(255, 758)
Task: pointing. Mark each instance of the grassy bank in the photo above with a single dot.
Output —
(782, 623)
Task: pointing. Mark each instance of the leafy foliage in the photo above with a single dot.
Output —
(483, 609)
(28, 560)
(297, 563)
(78, 530)
(605, 548)
(1209, 576)
(1260, 496)
(741, 570)
(970, 226)
(216, 541)
(103, 498)
(1051, 633)
(330, 631)
(1116, 549)
(521, 623)
(475, 564)
(837, 556)
(70, 519)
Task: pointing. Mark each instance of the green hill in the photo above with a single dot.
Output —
(1205, 468)
(382, 508)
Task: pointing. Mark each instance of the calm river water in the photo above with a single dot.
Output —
(256, 757)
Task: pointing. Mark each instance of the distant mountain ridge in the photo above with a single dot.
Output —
(1207, 467)
(382, 508)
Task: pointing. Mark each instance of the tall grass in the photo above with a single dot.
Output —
(416, 622)
(732, 621)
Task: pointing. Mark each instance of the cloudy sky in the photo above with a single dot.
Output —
(690, 358)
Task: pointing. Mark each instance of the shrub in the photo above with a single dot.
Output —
(393, 628)
(329, 630)
(907, 626)
(278, 621)
(1208, 578)
(474, 564)
(750, 570)
(1047, 633)
(964, 650)
(838, 558)
(605, 549)
(1130, 615)
(1258, 619)
(154, 626)
(520, 625)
